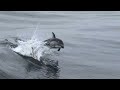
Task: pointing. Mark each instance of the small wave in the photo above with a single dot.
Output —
(35, 49)
(32, 48)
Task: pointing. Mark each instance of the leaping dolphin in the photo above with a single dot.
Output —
(54, 42)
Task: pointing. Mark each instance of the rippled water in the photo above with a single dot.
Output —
(91, 38)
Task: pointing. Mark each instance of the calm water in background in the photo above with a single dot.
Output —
(92, 43)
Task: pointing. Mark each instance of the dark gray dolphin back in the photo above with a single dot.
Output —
(53, 35)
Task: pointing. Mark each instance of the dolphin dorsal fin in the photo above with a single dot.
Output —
(53, 35)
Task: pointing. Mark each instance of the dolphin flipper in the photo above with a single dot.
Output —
(59, 49)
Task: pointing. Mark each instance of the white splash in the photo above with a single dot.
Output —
(35, 32)
(32, 48)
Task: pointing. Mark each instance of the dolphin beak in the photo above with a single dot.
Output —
(62, 46)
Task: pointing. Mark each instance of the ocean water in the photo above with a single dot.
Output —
(91, 38)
